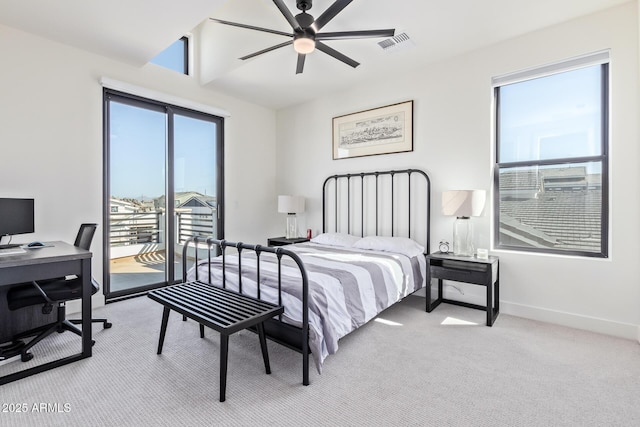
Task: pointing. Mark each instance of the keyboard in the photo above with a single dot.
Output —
(9, 246)
(12, 251)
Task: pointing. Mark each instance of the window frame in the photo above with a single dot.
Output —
(603, 158)
(186, 55)
(170, 109)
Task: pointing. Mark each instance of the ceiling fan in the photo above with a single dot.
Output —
(306, 36)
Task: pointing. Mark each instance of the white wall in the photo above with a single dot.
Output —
(51, 139)
(453, 143)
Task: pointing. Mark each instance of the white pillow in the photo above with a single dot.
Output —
(401, 245)
(335, 239)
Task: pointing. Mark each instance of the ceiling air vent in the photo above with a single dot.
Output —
(398, 42)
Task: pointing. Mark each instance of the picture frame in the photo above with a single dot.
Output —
(382, 130)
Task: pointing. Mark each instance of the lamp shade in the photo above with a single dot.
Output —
(290, 204)
(463, 203)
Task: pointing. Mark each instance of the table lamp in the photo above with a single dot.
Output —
(463, 204)
(291, 205)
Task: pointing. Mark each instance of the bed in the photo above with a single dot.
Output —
(370, 255)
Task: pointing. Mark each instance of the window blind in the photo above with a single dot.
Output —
(600, 57)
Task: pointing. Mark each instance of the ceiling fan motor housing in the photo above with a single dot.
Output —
(303, 4)
(305, 20)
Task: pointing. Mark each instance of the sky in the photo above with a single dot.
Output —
(138, 153)
(172, 57)
(557, 116)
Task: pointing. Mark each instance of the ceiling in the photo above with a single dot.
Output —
(134, 31)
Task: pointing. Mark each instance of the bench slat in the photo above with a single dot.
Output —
(223, 310)
(218, 301)
(199, 309)
(247, 305)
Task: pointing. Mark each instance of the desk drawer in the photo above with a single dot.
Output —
(477, 276)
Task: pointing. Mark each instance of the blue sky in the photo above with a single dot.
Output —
(551, 117)
(138, 153)
(172, 57)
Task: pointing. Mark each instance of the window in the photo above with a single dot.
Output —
(175, 57)
(551, 171)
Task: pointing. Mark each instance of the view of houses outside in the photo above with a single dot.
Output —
(137, 230)
(551, 207)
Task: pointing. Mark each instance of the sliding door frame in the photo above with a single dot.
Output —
(170, 111)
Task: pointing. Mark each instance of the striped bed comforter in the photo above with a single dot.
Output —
(347, 287)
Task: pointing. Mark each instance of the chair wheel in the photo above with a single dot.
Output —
(93, 342)
(25, 357)
(107, 325)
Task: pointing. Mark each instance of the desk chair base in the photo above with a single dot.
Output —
(59, 326)
(47, 330)
(7, 351)
(105, 323)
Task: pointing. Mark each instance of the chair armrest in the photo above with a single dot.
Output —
(43, 293)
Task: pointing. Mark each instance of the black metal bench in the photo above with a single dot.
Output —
(220, 309)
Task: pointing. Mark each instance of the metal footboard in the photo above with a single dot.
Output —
(301, 335)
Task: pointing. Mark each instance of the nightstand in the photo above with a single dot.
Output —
(466, 269)
(281, 241)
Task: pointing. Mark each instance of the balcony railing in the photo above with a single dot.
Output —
(191, 224)
(127, 229)
(134, 228)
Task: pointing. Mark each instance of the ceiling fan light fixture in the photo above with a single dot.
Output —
(304, 45)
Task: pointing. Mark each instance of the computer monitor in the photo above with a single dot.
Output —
(16, 217)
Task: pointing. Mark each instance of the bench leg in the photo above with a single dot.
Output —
(263, 347)
(163, 328)
(224, 352)
(201, 330)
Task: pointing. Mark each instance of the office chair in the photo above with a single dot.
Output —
(54, 292)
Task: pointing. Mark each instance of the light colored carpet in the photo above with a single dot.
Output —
(413, 368)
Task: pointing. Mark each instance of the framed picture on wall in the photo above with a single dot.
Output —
(381, 130)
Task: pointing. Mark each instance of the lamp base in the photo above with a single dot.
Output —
(292, 226)
(463, 236)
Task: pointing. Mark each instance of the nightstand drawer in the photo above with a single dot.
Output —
(480, 274)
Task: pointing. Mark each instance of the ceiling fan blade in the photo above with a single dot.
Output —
(269, 49)
(330, 13)
(300, 65)
(288, 15)
(251, 27)
(341, 35)
(339, 56)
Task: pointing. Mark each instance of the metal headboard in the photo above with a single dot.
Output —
(384, 203)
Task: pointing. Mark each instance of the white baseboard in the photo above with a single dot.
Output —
(588, 323)
(476, 295)
(75, 306)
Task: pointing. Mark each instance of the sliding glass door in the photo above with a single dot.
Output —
(137, 159)
(195, 181)
(163, 184)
